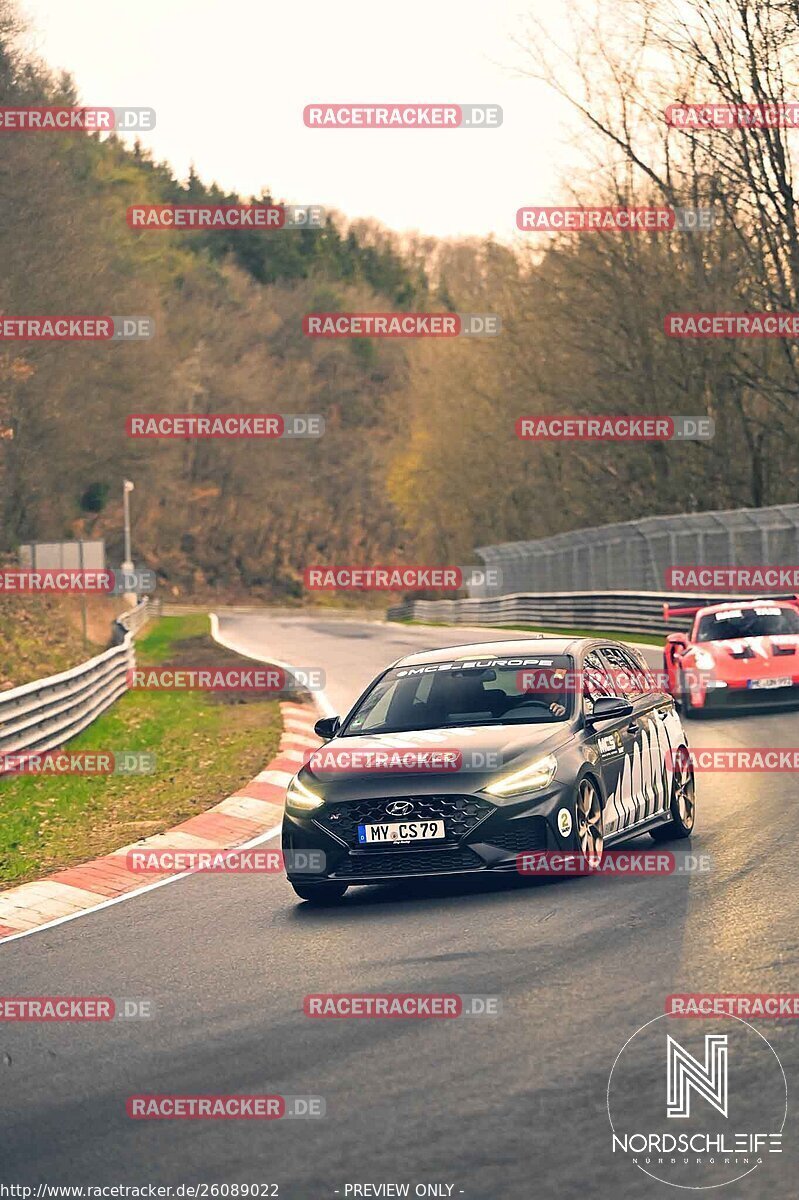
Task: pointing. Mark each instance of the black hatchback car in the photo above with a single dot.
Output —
(460, 759)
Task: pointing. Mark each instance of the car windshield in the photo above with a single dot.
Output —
(517, 691)
(763, 620)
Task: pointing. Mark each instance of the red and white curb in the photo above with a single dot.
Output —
(250, 816)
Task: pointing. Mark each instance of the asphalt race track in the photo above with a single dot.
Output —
(510, 1107)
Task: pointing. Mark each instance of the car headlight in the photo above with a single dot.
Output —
(300, 798)
(703, 660)
(532, 778)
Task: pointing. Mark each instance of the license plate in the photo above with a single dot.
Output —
(401, 831)
(771, 683)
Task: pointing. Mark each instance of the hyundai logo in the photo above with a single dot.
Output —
(399, 808)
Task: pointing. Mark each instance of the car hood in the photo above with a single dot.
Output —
(485, 753)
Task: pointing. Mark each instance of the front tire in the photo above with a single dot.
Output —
(683, 801)
(589, 826)
(320, 894)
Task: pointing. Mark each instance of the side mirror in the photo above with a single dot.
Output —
(609, 708)
(327, 727)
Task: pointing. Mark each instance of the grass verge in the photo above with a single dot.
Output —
(41, 635)
(206, 745)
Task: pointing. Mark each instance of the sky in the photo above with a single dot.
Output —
(229, 80)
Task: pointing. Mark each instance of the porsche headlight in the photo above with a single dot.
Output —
(532, 778)
(300, 798)
(703, 660)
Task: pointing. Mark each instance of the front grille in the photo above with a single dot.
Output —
(408, 862)
(527, 834)
(460, 814)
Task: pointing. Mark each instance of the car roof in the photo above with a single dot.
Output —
(533, 646)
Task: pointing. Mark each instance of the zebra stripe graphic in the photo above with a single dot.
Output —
(643, 787)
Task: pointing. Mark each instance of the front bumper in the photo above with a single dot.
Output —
(741, 697)
(481, 836)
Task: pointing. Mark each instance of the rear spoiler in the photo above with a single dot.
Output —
(690, 610)
(781, 599)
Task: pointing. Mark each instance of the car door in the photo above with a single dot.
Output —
(648, 789)
(666, 727)
(613, 743)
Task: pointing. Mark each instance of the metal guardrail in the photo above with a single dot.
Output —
(48, 712)
(133, 620)
(628, 612)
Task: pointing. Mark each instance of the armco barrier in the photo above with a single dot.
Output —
(48, 712)
(133, 620)
(629, 612)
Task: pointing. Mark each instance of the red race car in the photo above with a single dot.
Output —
(739, 655)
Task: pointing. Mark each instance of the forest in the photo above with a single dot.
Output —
(420, 462)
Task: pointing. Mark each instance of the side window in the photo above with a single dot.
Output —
(627, 673)
(596, 681)
(654, 679)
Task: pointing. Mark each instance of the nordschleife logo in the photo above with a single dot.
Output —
(697, 1104)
